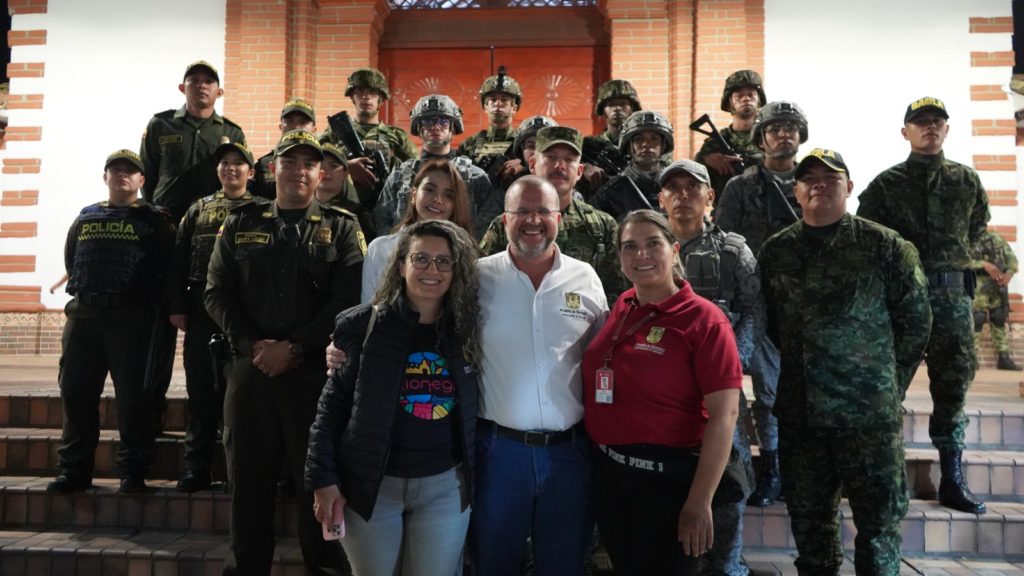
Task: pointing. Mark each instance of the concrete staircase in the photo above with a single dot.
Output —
(164, 532)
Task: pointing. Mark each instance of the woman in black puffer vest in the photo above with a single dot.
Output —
(394, 430)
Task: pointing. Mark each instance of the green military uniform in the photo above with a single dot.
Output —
(742, 144)
(363, 216)
(116, 258)
(393, 142)
(848, 307)
(487, 145)
(584, 233)
(757, 204)
(193, 247)
(280, 275)
(262, 184)
(991, 301)
(177, 152)
(619, 195)
(941, 207)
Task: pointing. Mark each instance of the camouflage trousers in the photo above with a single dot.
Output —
(865, 463)
(991, 308)
(951, 360)
(726, 555)
(764, 374)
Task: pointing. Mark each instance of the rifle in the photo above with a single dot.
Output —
(776, 201)
(342, 126)
(698, 126)
(492, 158)
(604, 155)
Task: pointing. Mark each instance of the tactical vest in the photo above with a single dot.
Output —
(711, 271)
(213, 210)
(115, 251)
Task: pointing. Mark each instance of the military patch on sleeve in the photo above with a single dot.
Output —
(252, 238)
(171, 139)
(362, 241)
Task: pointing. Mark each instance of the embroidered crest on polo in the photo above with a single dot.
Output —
(573, 306)
(572, 300)
(654, 336)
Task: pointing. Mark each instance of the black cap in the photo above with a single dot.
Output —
(126, 155)
(295, 138)
(202, 64)
(926, 104)
(300, 106)
(830, 158)
(221, 150)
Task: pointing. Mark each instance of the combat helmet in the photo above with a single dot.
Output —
(644, 121)
(368, 78)
(742, 79)
(616, 89)
(528, 128)
(435, 105)
(501, 82)
(776, 112)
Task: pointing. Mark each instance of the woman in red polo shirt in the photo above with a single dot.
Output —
(661, 391)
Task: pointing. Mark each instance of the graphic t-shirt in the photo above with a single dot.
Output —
(423, 437)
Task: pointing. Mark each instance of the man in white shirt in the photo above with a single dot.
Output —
(540, 310)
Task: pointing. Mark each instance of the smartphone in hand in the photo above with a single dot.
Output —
(335, 529)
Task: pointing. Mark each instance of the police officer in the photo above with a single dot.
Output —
(368, 89)
(336, 189)
(584, 232)
(435, 119)
(646, 137)
(616, 100)
(941, 207)
(721, 268)
(500, 96)
(995, 265)
(296, 115)
(192, 249)
(742, 97)
(116, 257)
(848, 305)
(279, 274)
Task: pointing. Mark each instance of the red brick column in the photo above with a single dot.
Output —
(639, 51)
(348, 37)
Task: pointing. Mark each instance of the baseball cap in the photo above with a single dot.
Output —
(830, 158)
(554, 135)
(300, 106)
(335, 152)
(922, 105)
(202, 64)
(692, 168)
(126, 155)
(295, 138)
(237, 146)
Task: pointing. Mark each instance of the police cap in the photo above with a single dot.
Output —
(830, 158)
(295, 138)
(125, 156)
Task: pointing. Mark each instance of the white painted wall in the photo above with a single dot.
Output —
(110, 65)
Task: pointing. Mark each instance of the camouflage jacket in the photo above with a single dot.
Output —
(851, 317)
(485, 202)
(487, 143)
(617, 196)
(992, 248)
(937, 204)
(393, 142)
(741, 144)
(740, 298)
(747, 205)
(585, 233)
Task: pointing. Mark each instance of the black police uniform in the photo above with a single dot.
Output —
(278, 275)
(116, 258)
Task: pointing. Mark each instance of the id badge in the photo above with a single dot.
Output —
(605, 389)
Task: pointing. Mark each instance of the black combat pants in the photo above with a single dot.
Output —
(98, 340)
(267, 420)
(205, 402)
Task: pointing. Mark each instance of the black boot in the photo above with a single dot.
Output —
(769, 486)
(1004, 362)
(953, 491)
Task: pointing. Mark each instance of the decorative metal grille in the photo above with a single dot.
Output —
(449, 4)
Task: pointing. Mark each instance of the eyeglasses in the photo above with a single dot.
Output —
(779, 127)
(436, 122)
(524, 213)
(421, 261)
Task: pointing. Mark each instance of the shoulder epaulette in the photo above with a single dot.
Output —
(166, 114)
(231, 122)
(256, 201)
(332, 207)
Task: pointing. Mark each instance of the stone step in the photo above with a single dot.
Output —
(987, 429)
(44, 411)
(928, 530)
(33, 451)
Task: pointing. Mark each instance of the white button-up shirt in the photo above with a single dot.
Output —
(378, 254)
(533, 341)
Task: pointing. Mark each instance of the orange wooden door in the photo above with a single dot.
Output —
(557, 81)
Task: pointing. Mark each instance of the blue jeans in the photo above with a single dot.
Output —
(418, 527)
(522, 490)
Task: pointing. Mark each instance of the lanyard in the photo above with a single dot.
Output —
(632, 330)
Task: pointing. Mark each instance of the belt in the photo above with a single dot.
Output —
(528, 437)
(112, 300)
(946, 279)
(678, 466)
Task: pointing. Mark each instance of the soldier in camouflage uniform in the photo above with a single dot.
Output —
(336, 189)
(296, 115)
(941, 207)
(435, 118)
(584, 232)
(742, 97)
(500, 97)
(368, 89)
(719, 267)
(995, 265)
(192, 249)
(646, 136)
(848, 305)
(616, 101)
(524, 147)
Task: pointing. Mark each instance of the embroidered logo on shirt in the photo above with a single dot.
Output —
(572, 300)
(654, 336)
